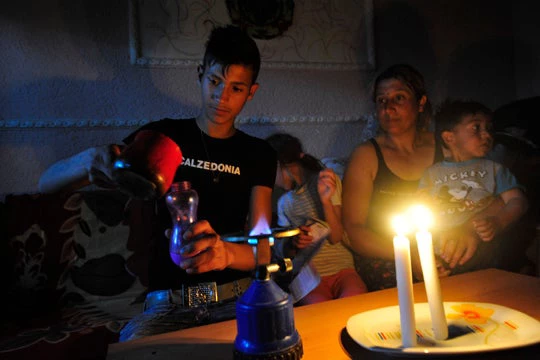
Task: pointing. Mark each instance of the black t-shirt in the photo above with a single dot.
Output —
(223, 172)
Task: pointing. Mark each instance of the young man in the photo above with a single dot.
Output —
(466, 188)
(232, 172)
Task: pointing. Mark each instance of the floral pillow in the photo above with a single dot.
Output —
(77, 271)
(38, 243)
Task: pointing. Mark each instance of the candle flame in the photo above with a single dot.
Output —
(400, 225)
(421, 216)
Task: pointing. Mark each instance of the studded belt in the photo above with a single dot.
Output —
(198, 294)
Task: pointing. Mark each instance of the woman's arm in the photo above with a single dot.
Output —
(357, 191)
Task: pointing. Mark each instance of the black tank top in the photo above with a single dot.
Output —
(391, 194)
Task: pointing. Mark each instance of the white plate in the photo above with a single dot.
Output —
(473, 327)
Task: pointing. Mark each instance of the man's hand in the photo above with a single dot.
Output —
(203, 249)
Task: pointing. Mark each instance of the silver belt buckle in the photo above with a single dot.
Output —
(200, 294)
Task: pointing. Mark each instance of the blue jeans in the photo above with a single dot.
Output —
(163, 314)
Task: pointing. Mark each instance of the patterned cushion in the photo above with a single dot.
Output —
(39, 241)
(76, 267)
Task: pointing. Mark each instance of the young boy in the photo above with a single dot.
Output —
(232, 172)
(469, 190)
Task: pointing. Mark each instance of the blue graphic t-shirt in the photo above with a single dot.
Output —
(462, 189)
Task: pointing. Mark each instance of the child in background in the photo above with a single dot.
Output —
(469, 190)
(315, 193)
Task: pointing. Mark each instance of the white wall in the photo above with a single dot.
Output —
(68, 61)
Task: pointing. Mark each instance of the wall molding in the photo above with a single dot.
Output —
(241, 120)
(343, 41)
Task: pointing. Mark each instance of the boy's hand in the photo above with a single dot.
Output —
(487, 227)
(203, 250)
(100, 171)
(326, 185)
(103, 173)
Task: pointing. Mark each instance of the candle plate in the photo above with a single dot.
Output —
(473, 327)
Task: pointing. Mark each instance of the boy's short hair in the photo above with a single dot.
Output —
(230, 45)
(451, 112)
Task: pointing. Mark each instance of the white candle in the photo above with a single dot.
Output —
(433, 286)
(402, 254)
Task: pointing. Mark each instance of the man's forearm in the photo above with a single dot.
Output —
(70, 173)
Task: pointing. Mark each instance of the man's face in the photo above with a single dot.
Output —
(225, 91)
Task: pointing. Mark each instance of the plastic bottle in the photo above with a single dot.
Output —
(182, 202)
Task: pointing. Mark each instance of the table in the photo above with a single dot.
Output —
(322, 326)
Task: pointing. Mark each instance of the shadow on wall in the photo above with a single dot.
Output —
(527, 67)
(321, 139)
(67, 59)
(483, 71)
(67, 98)
(517, 147)
(401, 36)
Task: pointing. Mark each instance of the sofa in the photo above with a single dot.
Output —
(74, 268)
(74, 272)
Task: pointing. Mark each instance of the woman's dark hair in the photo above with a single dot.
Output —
(289, 150)
(230, 45)
(412, 78)
(450, 113)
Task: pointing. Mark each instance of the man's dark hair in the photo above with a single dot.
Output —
(230, 45)
(451, 112)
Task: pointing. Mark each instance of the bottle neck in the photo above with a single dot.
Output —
(181, 186)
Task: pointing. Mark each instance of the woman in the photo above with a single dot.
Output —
(383, 173)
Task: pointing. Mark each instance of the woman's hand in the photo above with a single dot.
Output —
(458, 246)
(416, 265)
(203, 249)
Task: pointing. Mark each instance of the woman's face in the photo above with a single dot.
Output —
(397, 106)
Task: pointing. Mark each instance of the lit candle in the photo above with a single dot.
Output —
(423, 218)
(402, 254)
